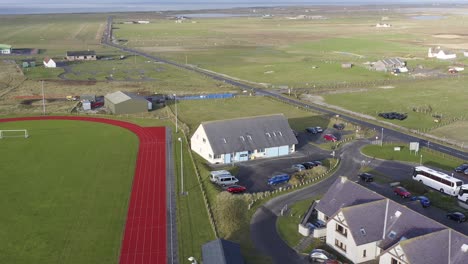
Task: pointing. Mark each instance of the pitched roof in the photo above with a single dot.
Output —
(5, 46)
(247, 134)
(433, 248)
(392, 61)
(81, 53)
(47, 59)
(365, 221)
(404, 223)
(345, 193)
(119, 97)
(221, 251)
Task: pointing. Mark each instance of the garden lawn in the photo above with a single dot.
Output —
(287, 225)
(64, 192)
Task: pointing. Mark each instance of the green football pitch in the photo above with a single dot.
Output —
(64, 191)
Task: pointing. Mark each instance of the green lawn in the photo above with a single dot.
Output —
(288, 224)
(64, 192)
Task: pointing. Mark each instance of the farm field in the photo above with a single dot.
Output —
(299, 52)
(64, 192)
(194, 112)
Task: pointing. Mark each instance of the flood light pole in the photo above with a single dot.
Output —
(181, 168)
(381, 138)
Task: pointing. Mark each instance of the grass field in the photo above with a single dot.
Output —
(287, 225)
(64, 192)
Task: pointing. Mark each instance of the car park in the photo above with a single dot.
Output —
(402, 192)
(236, 189)
(339, 126)
(462, 168)
(320, 256)
(425, 202)
(278, 179)
(311, 130)
(330, 137)
(456, 216)
(298, 167)
(366, 177)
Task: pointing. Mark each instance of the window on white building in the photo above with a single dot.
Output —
(217, 156)
(209, 155)
(340, 245)
(395, 261)
(261, 150)
(340, 229)
(204, 140)
(364, 253)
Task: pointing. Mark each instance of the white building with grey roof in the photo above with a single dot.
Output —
(365, 226)
(242, 139)
(390, 64)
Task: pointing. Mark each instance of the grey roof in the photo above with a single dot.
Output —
(365, 221)
(119, 97)
(344, 193)
(391, 62)
(248, 134)
(405, 224)
(221, 251)
(81, 53)
(433, 248)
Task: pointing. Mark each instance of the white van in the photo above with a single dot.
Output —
(225, 180)
(214, 174)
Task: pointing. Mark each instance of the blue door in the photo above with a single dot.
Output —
(271, 152)
(283, 150)
(242, 156)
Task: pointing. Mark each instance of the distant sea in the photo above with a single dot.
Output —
(34, 8)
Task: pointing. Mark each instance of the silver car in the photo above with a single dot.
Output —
(320, 256)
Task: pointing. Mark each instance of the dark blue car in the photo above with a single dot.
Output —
(425, 202)
(277, 179)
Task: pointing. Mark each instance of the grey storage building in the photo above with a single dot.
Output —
(126, 103)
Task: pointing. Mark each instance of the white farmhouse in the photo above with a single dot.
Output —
(49, 63)
(440, 54)
(241, 139)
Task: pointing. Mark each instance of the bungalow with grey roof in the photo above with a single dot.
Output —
(365, 226)
(390, 64)
(81, 55)
(241, 139)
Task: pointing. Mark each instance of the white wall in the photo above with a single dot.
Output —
(203, 148)
(396, 253)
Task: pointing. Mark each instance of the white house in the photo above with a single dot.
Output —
(5, 49)
(440, 54)
(364, 226)
(49, 63)
(383, 25)
(241, 139)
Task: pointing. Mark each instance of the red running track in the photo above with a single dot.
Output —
(144, 239)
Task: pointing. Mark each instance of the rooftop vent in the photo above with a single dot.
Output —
(464, 248)
(224, 140)
(249, 137)
(279, 132)
(274, 134)
(397, 213)
(242, 137)
(268, 134)
(392, 234)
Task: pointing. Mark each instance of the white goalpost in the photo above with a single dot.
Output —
(14, 133)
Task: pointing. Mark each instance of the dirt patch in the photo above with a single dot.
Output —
(386, 87)
(447, 36)
(100, 31)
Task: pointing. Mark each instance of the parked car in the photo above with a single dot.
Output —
(309, 165)
(461, 168)
(402, 192)
(330, 137)
(236, 189)
(226, 180)
(214, 174)
(465, 172)
(339, 126)
(319, 129)
(456, 216)
(317, 162)
(425, 202)
(320, 255)
(366, 177)
(311, 130)
(298, 167)
(277, 179)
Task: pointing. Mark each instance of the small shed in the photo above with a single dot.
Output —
(221, 251)
(86, 105)
(346, 65)
(27, 63)
(126, 103)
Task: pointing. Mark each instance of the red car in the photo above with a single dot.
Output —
(330, 137)
(402, 192)
(236, 189)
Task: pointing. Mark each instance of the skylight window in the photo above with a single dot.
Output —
(363, 231)
(224, 140)
(249, 137)
(392, 235)
(242, 137)
(268, 134)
